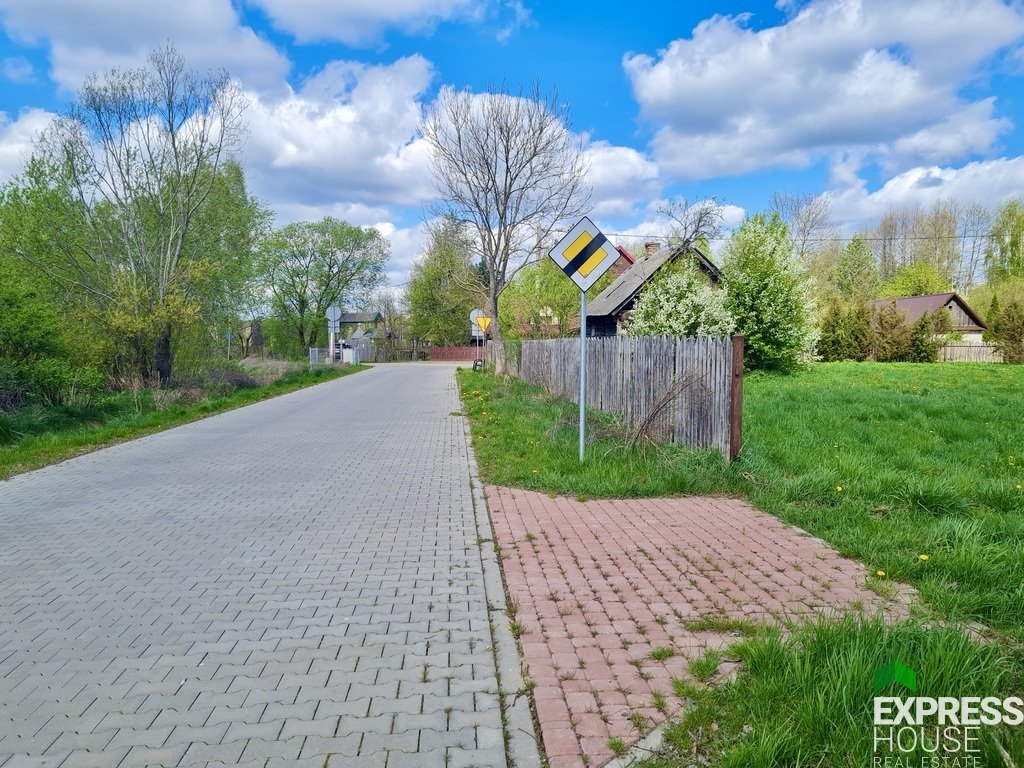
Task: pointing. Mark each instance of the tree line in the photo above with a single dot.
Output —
(130, 246)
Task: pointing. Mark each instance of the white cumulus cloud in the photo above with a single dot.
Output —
(839, 74)
(350, 134)
(989, 182)
(93, 37)
(621, 178)
(17, 138)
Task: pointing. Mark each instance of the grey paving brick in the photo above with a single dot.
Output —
(299, 727)
(199, 752)
(376, 742)
(305, 556)
(138, 757)
(103, 759)
(286, 748)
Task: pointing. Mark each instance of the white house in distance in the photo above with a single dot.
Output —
(965, 320)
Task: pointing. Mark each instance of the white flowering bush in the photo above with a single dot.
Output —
(768, 293)
(679, 302)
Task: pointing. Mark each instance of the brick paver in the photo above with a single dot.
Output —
(295, 583)
(599, 585)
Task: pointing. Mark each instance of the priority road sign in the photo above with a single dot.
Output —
(584, 254)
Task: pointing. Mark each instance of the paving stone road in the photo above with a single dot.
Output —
(295, 583)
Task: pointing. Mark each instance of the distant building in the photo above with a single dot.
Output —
(964, 319)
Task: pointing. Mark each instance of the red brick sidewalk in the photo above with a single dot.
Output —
(599, 585)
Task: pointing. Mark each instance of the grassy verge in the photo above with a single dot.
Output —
(37, 437)
(885, 462)
(805, 699)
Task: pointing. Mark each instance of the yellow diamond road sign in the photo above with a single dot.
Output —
(584, 254)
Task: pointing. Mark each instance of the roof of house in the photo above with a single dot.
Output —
(359, 317)
(626, 286)
(915, 306)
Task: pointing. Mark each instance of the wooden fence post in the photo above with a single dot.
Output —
(736, 398)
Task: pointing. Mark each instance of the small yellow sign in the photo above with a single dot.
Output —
(484, 322)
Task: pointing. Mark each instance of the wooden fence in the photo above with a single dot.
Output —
(970, 353)
(686, 391)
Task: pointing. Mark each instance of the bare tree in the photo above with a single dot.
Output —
(701, 220)
(974, 225)
(809, 218)
(508, 166)
(138, 152)
(892, 239)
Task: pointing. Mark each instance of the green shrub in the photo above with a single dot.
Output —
(892, 335)
(1008, 333)
(15, 382)
(846, 332)
(55, 381)
(924, 344)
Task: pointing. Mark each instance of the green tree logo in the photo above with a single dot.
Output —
(896, 672)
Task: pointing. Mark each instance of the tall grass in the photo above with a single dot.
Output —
(805, 698)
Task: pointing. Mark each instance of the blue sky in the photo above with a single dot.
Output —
(872, 103)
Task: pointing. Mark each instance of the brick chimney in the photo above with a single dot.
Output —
(651, 247)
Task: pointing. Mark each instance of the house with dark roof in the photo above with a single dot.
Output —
(964, 319)
(607, 313)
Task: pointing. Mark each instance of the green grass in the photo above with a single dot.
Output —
(35, 437)
(886, 462)
(805, 699)
(704, 667)
(721, 625)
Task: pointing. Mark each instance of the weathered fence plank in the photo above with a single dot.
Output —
(678, 390)
(970, 353)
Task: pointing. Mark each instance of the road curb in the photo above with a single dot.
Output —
(522, 748)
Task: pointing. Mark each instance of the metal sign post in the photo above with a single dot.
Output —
(333, 316)
(583, 372)
(584, 254)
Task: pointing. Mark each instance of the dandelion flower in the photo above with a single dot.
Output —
(922, 558)
(1017, 486)
(839, 488)
(880, 574)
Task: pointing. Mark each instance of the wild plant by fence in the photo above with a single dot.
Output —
(684, 391)
(970, 353)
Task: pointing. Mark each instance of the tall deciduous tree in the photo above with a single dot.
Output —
(227, 233)
(311, 266)
(138, 152)
(699, 222)
(768, 294)
(444, 286)
(808, 217)
(856, 274)
(1004, 257)
(507, 165)
(920, 278)
(540, 301)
